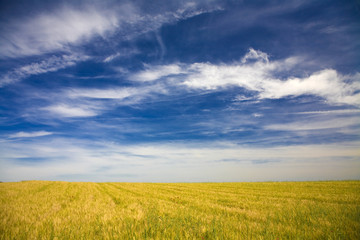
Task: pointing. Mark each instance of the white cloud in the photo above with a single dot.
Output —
(54, 31)
(242, 98)
(117, 93)
(121, 95)
(339, 111)
(63, 110)
(30, 134)
(327, 83)
(51, 64)
(111, 57)
(89, 102)
(143, 22)
(156, 72)
(212, 77)
(124, 53)
(255, 55)
(316, 124)
(260, 76)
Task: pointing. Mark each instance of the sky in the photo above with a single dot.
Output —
(179, 91)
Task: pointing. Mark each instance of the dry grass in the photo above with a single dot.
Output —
(291, 210)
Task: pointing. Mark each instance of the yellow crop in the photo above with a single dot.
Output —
(85, 210)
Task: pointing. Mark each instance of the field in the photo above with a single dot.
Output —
(84, 210)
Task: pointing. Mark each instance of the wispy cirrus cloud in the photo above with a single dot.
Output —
(51, 64)
(65, 27)
(90, 102)
(255, 73)
(47, 32)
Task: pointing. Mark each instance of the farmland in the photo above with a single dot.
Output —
(269, 210)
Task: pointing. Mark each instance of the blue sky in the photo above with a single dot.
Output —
(179, 91)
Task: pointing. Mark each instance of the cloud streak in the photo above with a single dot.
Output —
(153, 73)
(67, 111)
(51, 64)
(334, 123)
(30, 134)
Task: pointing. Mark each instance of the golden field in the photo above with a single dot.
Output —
(270, 210)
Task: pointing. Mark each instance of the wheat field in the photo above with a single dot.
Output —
(270, 210)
